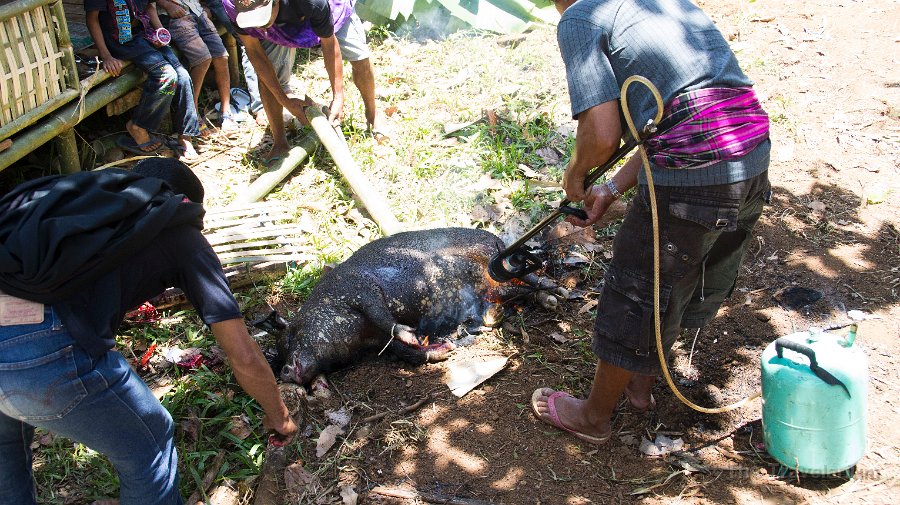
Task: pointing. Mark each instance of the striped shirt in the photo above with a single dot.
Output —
(670, 42)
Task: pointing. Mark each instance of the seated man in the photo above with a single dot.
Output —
(121, 30)
(194, 34)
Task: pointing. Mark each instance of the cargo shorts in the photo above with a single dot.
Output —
(704, 234)
(197, 39)
(352, 39)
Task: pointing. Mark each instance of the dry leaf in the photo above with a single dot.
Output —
(297, 479)
(223, 495)
(587, 307)
(327, 439)
(559, 337)
(339, 417)
(348, 495)
(240, 426)
(816, 206)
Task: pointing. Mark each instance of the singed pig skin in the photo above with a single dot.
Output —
(422, 283)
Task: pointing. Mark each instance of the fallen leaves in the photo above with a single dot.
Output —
(327, 439)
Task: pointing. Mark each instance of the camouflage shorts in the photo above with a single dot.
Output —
(704, 233)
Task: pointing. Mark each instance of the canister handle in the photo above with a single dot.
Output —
(807, 351)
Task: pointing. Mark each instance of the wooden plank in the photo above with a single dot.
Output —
(296, 258)
(245, 221)
(280, 252)
(123, 104)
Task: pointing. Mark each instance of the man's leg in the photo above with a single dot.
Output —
(593, 415)
(275, 114)
(184, 113)
(364, 79)
(198, 73)
(155, 100)
(352, 39)
(214, 47)
(122, 419)
(48, 381)
(15, 462)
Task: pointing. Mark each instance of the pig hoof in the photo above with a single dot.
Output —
(547, 300)
(405, 334)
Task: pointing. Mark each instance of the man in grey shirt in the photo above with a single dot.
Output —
(710, 168)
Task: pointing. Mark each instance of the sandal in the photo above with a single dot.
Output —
(127, 143)
(554, 419)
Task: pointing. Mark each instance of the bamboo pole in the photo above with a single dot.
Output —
(277, 173)
(69, 116)
(364, 191)
(69, 161)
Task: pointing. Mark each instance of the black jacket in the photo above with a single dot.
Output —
(59, 233)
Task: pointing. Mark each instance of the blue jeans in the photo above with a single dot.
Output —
(168, 85)
(48, 381)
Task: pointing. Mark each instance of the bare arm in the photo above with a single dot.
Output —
(596, 139)
(254, 375)
(334, 65)
(266, 74)
(154, 16)
(110, 64)
(172, 9)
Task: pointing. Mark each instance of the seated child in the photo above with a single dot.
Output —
(194, 34)
(120, 29)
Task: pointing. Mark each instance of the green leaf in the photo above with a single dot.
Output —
(501, 16)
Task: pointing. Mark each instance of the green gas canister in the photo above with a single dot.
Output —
(814, 387)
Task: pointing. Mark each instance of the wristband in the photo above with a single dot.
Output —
(613, 189)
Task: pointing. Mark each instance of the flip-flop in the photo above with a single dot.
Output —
(268, 162)
(380, 136)
(126, 143)
(554, 417)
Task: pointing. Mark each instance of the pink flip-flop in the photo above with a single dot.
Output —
(554, 416)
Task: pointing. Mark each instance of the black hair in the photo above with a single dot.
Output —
(179, 176)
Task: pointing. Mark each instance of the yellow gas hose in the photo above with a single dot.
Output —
(655, 219)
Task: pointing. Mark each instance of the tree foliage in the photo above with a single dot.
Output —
(445, 16)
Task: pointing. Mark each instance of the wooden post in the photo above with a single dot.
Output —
(365, 192)
(67, 146)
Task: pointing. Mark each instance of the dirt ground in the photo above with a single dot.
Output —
(828, 74)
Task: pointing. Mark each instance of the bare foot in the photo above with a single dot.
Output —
(261, 118)
(142, 138)
(378, 127)
(570, 415)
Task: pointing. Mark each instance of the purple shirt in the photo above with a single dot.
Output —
(300, 23)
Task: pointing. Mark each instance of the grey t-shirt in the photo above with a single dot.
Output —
(672, 43)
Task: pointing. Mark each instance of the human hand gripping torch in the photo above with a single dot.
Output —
(515, 261)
